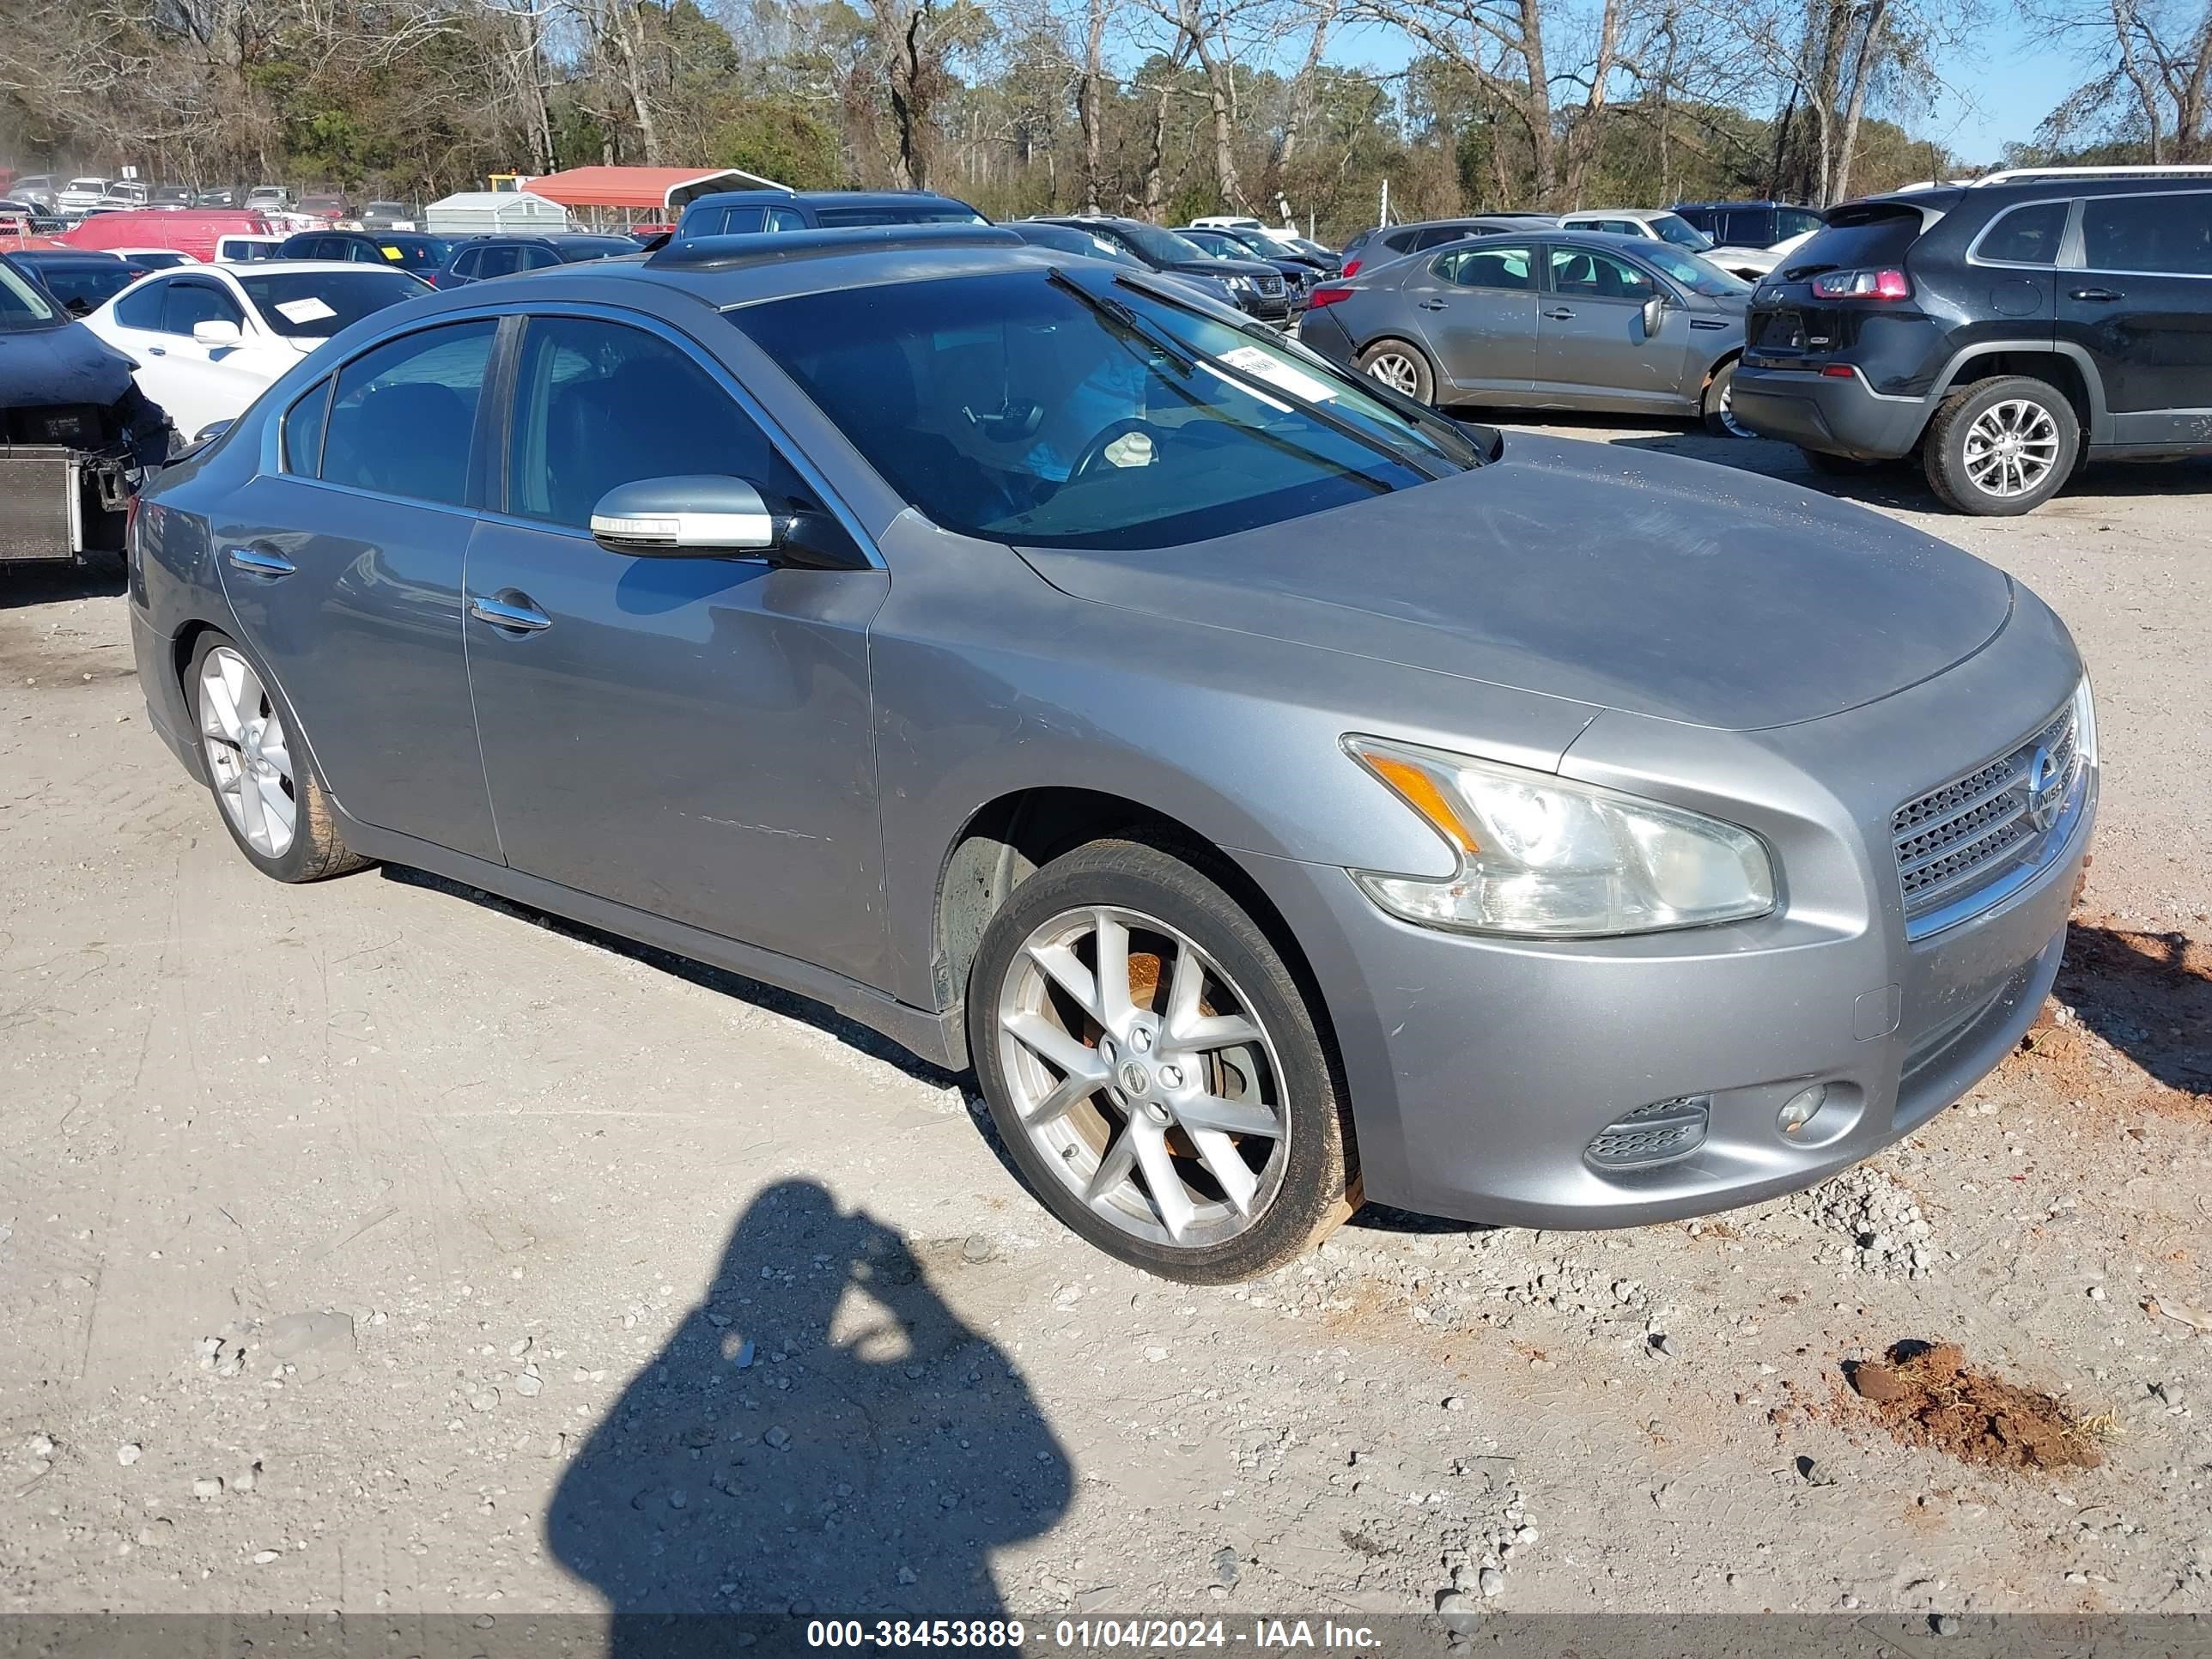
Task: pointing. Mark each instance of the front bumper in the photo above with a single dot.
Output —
(1480, 1070)
(1829, 414)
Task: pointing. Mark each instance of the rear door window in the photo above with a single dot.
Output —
(504, 261)
(303, 430)
(1513, 269)
(785, 219)
(1584, 273)
(2025, 235)
(1876, 236)
(741, 221)
(141, 307)
(188, 304)
(405, 415)
(2153, 235)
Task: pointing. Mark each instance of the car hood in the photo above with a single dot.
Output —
(43, 367)
(1644, 583)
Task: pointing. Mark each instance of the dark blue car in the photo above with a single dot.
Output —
(504, 256)
(743, 212)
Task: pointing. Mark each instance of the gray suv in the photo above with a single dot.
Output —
(1274, 790)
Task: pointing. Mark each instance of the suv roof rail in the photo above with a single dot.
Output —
(761, 248)
(2008, 175)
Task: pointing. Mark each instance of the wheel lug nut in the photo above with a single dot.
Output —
(1172, 1076)
(1140, 1039)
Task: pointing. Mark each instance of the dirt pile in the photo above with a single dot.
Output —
(1929, 1396)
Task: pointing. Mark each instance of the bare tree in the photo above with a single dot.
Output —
(2151, 59)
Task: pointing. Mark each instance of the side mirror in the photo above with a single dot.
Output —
(214, 331)
(693, 517)
(1655, 314)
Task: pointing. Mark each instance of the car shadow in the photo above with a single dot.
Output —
(2149, 995)
(822, 1433)
(769, 998)
(41, 583)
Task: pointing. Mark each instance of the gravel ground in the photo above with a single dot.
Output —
(377, 1246)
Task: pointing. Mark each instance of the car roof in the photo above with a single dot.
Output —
(1616, 213)
(55, 256)
(819, 197)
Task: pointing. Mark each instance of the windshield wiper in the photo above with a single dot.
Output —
(1125, 320)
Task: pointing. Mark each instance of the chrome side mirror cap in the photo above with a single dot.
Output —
(700, 516)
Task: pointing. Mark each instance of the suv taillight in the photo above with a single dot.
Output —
(1886, 283)
(1327, 296)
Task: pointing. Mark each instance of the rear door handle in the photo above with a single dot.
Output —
(256, 561)
(1560, 315)
(1434, 305)
(2097, 296)
(517, 614)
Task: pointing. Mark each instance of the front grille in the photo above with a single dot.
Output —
(1657, 1134)
(1954, 841)
(1272, 286)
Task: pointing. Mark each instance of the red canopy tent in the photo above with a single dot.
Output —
(634, 192)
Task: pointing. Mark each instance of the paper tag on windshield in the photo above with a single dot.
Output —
(309, 310)
(1263, 365)
(392, 253)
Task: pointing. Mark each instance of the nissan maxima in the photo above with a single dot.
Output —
(1536, 834)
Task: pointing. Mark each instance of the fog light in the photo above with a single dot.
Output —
(1801, 1109)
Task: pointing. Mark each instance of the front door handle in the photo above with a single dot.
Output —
(2096, 296)
(1560, 315)
(157, 351)
(517, 614)
(1434, 305)
(259, 561)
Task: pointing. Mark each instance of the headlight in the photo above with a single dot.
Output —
(1238, 283)
(1541, 856)
(2085, 723)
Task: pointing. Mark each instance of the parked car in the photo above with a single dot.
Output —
(1074, 239)
(273, 198)
(481, 257)
(1260, 245)
(246, 248)
(411, 251)
(332, 208)
(2002, 331)
(1296, 274)
(1553, 319)
(1660, 225)
(79, 194)
(1256, 288)
(82, 279)
(1277, 791)
(222, 196)
(154, 259)
(127, 194)
(389, 215)
(207, 340)
(76, 432)
(1750, 224)
(170, 196)
(39, 189)
(743, 212)
(1386, 243)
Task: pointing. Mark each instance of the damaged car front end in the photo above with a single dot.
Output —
(77, 437)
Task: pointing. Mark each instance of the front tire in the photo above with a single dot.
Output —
(1402, 367)
(1720, 416)
(2002, 447)
(263, 781)
(1153, 1068)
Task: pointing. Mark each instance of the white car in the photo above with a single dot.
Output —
(206, 339)
(156, 258)
(1659, 225)
(77, 195)
(246, 248)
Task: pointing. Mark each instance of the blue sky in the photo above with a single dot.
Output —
(1994, 101)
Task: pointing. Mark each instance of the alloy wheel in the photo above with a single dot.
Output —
(1398, 372)
(1144, 1077)
(248, 753)
(1737, 428)
(2011, 447)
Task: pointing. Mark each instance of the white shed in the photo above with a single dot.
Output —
(485, 212)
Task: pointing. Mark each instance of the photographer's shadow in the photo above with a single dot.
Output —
(821, 1436)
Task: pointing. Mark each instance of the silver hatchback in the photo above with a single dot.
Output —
(1276, 792)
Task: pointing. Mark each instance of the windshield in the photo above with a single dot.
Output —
(1216, 245)
(313, 304)
(21, 305)
(1008, 407)
(1699, 276)
(1162, 246)
(417, 253)
(844, 218)
(1674, 228)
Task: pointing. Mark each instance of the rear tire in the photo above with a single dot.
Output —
(2002, 447)
(265, 786)
(1206, 1071)
(1402, 367)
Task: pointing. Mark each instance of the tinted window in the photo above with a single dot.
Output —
(2159, 233)
(900, 215)
(191, 303)
(596, 404)
(740, 220)
(141, 307)
(1794, 221)
(785, 219)
(502, 261)
(1858, 237)
(410, 252)
(21, 305)
(303, 430)
(539, 258)
(464, 261)
(404, 415)
(85, 288)
(1437, 235)
(579, 248)
(313, 304)
(1699, 276)
(1675, 228)
(1488, 267)
(1585, 274)
(1006, 407)
(1402, 241)
(2025, 235)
